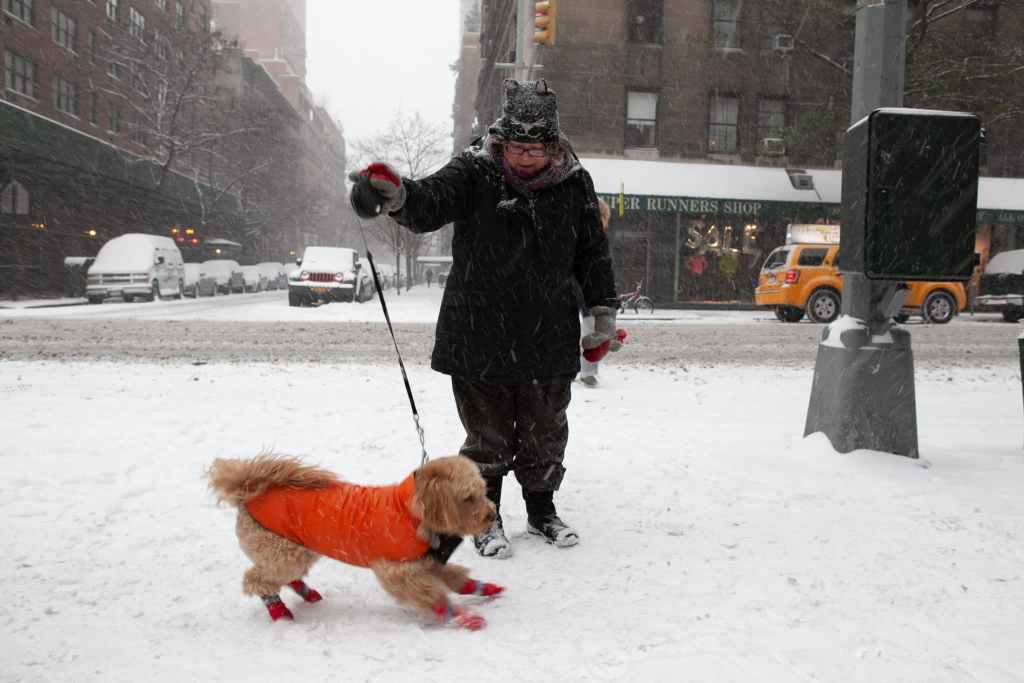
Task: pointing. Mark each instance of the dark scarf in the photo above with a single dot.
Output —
(564, 163)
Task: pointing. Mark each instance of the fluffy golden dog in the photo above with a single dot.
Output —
(290, 513)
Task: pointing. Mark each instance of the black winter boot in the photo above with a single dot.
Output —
(493, 542)
(542, 520)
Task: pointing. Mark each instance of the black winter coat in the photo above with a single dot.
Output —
(510, 312)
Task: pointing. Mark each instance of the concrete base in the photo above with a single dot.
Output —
(863, 391)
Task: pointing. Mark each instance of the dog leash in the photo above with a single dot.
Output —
(391, 329)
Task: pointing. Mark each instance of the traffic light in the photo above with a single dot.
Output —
(544, 21)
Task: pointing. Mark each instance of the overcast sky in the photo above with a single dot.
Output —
(369, 58)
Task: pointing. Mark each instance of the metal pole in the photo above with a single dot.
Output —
(863, 392)
(879, 66)
(524, 39)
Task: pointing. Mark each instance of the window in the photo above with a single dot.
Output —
(23, 9)
(723, 121)
(768, 31)
(114, 70)
(641, 119)
(776, 259)
(139, 82)
(983, 13)
(159, 46)
(20, 74)
(14, 199)
(771, 118)
(65, 96)
(137, 131)
(136, 24)
(114, 118)
(63, 28)
(644, 19)
(112, 10)
(179, 15)
(92, 46)
(726, 23)
(812, 257)
(93, 107)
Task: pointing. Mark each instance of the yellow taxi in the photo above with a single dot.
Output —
(802, 279)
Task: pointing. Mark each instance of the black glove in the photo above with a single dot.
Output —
(377, 189)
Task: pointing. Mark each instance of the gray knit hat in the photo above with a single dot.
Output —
(530, 113)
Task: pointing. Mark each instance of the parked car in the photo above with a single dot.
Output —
(255, 280)
(136, 265)
(799, 279)
(328, 274)
(226, 273)
(191, 288)
(274, 273)
(1002, 285)
(206, 283)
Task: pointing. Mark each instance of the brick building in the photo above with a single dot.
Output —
(132, 116)
(695, 87)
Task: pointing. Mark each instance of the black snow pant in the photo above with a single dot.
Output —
(521, 428)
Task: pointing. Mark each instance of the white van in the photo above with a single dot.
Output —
(136, 265)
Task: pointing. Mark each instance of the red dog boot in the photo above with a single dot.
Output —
(464, 618)
(307, 593)
(276, 608)
(488, 590)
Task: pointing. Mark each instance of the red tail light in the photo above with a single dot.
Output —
(792, 276)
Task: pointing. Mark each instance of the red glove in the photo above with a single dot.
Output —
(601, 350)
(386, 191)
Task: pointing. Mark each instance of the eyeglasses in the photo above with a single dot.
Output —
(519, 150)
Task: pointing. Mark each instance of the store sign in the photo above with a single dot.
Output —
(685, 205)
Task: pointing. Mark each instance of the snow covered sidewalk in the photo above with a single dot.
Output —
(718, 544)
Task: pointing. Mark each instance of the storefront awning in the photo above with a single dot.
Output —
(706, 188)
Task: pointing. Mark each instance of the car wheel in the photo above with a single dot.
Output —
(181, 290)
(789, 314)
(1012, 315)
(128, 298)
(901, 318)
(294, 299)
(96, 299)
(823, 305)
(154, 293)
(939, 308)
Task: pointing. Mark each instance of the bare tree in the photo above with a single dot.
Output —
(415, 147)
(958, 57)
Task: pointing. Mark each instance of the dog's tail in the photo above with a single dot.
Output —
(236, 481)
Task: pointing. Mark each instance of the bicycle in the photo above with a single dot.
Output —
(636, 300)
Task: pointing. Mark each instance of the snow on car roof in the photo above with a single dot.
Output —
(130, 252)
(329, 257)
(1009, 262)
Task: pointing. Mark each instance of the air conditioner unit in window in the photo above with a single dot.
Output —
(783, 42)
(772, 147)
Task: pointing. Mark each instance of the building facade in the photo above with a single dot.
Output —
(82, 157)
(749, 84)
(121, 116)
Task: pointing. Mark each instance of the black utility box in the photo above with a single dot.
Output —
(910, 195)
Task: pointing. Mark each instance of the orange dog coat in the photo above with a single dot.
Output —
(351, 523)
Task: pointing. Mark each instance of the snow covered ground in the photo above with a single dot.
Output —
(420, 304)
(718, 544)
